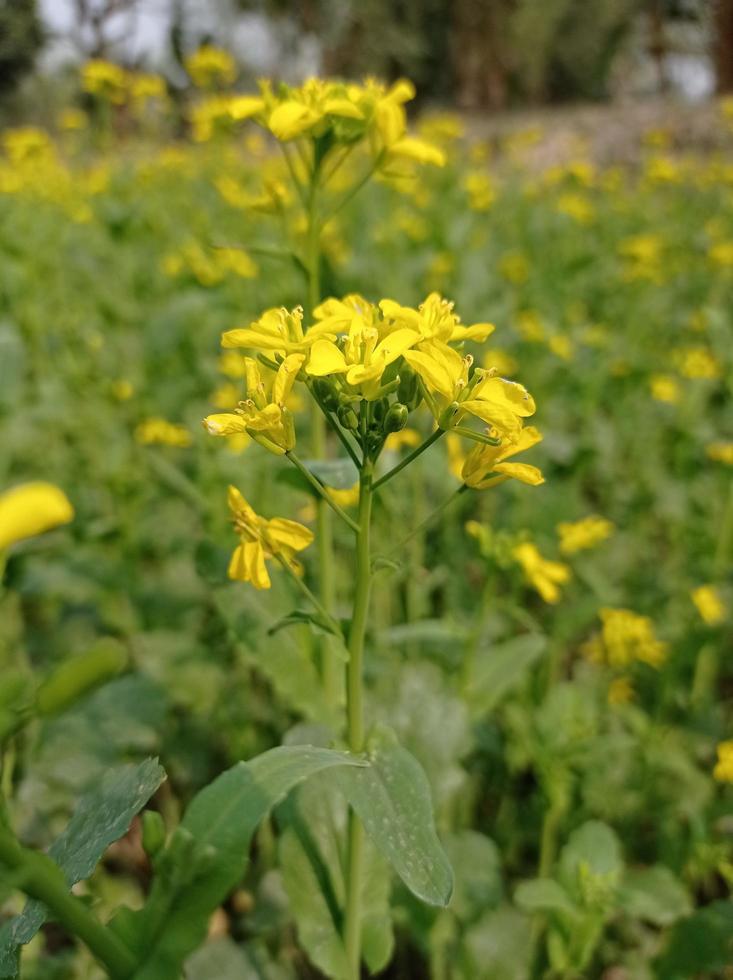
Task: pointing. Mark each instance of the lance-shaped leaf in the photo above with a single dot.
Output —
(392, 798)
(208, 854)
(101, 817)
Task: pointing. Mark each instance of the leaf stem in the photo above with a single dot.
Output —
(430, 518)
(310, 596)
(321, 491)
(355, 718)
(38, 876)
(409, 458)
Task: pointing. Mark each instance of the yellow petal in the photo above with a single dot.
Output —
(401, 91)
(291, 119)
(254, 560)
(31, 509)
(288, 534)
(432, 371)
(326, 358)
(254, 339)
(522, 472)
(245, 106)
(285, 377)
(237, 569)
(477, 331)
(511, 395)
(224, 424)
(342, 107)
(411, 148)
(395, 344)
(494, 414)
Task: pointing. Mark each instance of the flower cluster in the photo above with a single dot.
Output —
(210, 66)
(582, 534)
(329, 114)
(114, 84)
(371, 365)
(625, 637)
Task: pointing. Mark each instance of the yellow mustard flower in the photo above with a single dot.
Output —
(577, 207)
(71, 119)
(260, 539)
(665, 388)
(543, 575)
(582, 534)
(720, 452)
(501, 362)
(486, 466)
(160, 432)
(209, 66)
(263, 414)
(123, 390)
(514, 267)
(404, 439)
(697, 363)
(31, 509)
(627, 636)
(105, 80)
(722, 254)
(278, 331)
(723, 770)
(144, 88)
(480, 190)
(709, 603)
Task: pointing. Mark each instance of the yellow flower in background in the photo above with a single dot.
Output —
(697, 363)
(211, 66)
(486, 466)
(232, 364)
(71, 119)
(144, 88)
(620, 690)
(626, 636)
(122, 389)
(720, 452)
(501, 362)
(31, 509)
(722, 254)
(665, 388)
(480, 190)
(543, 575)
(404, 439)
(105, 80)
(514, 267)
(159, 432)
(585, 533)
(263, 414)
(709, 603)
(723, 770)
(345, 498)
(577, 207)
(561, 346)
(530, 326)
(260, 539)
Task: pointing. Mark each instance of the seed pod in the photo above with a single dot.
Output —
(348, 417)
(396, 418)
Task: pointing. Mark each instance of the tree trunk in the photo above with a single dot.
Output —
(723, 44)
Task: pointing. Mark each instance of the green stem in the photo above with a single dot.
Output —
(354, 190)
(336, 428)
(429, 519)
(317, 605)
(724, 537)
(355, 717)
(321, 491)
(409, 458)
(38, 876)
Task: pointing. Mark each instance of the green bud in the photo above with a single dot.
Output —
(327, 394)
(396, 418)
(408, 390)
(153, 832)
(348, 417)
(380, 409)
(72, 680)
(447, 415)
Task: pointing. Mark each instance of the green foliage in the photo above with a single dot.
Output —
(21, 36)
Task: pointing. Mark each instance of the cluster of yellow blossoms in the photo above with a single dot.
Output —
(358, 352)
(334, 114)
(210, 66)
(114, 84)
(625, 637)
(585, 533)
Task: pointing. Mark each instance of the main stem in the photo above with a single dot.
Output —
(38, 877)
(324, 522)
(355, 717)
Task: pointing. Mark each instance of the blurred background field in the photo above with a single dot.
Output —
(567, 686)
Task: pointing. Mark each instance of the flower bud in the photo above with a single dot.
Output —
(326, 394)
(153, 832)
(396, 418)
(408, 390)
(348, 417)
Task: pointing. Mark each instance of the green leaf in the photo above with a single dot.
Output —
(701, 943)
(544, 895)
(392, 798)
(101, 817)
(208, 854)
(501, 668)
(78, 676)
(477, 867)
(655, 895)
(311, 849)
(590, 864)
(498, 947)
(223, 959)
(318, 624)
